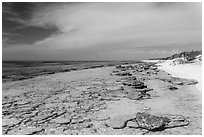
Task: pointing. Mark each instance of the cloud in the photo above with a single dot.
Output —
(91, 24)
(5, 38)
(9, 34)
(6, 9)
(10, 14)
(121, 25)
(140, 52)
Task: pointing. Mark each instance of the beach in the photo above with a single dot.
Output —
(102, 101)
(188, 71)
(101, 68)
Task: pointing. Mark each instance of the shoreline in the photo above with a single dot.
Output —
(97, 101)
(27, 70)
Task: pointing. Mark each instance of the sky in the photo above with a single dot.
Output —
(99, 31)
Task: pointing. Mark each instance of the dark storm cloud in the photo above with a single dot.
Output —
(16, 29)
(17, 12)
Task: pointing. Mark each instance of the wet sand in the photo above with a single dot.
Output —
(95, 101)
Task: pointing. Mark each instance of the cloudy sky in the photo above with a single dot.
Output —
(99, 31)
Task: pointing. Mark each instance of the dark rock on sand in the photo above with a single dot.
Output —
(171, 87)
(139, 94)
(151, 122)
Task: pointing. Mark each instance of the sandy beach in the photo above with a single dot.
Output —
(188, 71)
(101, 101)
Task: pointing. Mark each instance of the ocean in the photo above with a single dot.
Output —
(20, 70)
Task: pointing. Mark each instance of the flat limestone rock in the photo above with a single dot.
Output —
(9, 122)
(101, 117)
(50, 105)
(132, 124)
(42, 117)
(178, 83)
(133, 95)
(144, 90)
(118, 121)
(176, 120)
(138, 95)
(24, 130)
(77, 120)
(61, 120)
(23, 102)
(113, 88)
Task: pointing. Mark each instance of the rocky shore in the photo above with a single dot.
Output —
(124, 99)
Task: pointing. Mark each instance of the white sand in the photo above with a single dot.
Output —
(154, 61)
(188, 71)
